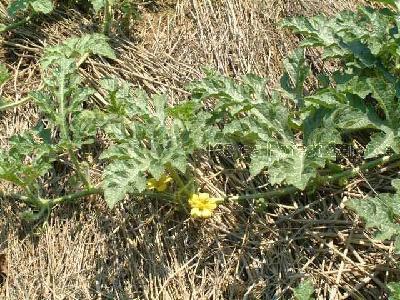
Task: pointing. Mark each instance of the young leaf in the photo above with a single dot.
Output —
(296, 73)
(4, 74)
(97, 4)
(304, 291)
(78, 47)
(381, 212)
(63, 97)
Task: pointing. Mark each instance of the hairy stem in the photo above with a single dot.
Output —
(171, 170)
(99, 191)
(16, 24)
(65, 134)
(82, 59)
(281, 192)
(107, 17)
(14, 104)
(363, 167)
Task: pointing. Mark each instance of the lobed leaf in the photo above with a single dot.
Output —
(149, 138)
(38, 6)
(381, 212)
(27, 160)
(297, 71)
(254, 118)
(78, 47)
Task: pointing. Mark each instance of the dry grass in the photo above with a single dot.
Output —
(144, 250)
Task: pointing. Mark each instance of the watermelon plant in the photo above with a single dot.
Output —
(128, 8)
(291, 132)
(106, 6)
(304, 291)
(363, 92)
(20, 12)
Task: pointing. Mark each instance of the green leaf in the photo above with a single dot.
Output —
(380, 143)
(62, 96)
(316, 30)
(381, 212)
(293, 80)
(4, 74)
(26, 161)
(291, 163)
(42, 6)
(384, 93)
(120, 178)
(97, 4)
(148, 138)
(287, 159)
(304, 291)
(233, 97)
(85, 125)
(250, 117)
(77, 47)
(394, 288)
(17, 6)
(347, 111)
(357, 38)
(131, 161)
(37, 6)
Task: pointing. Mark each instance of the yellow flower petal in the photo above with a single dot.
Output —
(202, 205)
(159, 185)
(197, 213)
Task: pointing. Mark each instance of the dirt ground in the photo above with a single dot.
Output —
(145, 250)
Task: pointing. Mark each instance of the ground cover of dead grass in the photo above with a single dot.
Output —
(145, 250)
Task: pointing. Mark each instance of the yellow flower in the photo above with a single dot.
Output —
(202, 206)
(160, 185)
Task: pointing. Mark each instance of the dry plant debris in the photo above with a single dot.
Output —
(144, 250)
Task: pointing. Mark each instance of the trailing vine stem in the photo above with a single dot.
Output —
(65, 135)
(16, 24)
(107, 17)
(277, 193)
(14, 104)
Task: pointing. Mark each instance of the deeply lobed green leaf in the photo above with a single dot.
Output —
(37, 6)
(149, 139)
(77, 47)
(366, 86)
(381, 212)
